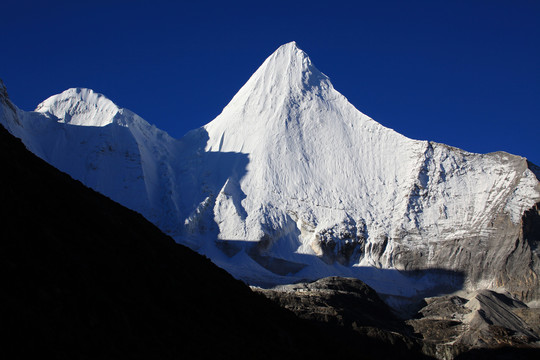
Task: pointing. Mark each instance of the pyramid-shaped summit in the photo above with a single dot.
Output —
(292, 182)
(286, 89)
(288, 69)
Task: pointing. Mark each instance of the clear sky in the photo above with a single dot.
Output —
(465, 73)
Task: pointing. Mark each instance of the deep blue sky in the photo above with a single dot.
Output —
(465, 73)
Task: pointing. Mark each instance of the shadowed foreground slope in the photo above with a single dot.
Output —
(84, 277)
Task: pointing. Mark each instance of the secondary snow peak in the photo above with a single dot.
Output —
(79, 106)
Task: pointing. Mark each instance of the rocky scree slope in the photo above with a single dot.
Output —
(296, 183)
(454, 326)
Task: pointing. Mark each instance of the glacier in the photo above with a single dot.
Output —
(291, 182)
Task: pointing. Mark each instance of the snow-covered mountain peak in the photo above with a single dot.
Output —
(82, 107)
(291, 179)
(285, 99)
(290, 52)
(288, 66)
(286, 74)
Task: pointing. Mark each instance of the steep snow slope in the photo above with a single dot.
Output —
(296, 183)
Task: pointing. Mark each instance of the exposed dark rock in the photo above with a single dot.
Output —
(452, 325)
(484, 322)
(4, 100)
(353, 308)
(336, 300)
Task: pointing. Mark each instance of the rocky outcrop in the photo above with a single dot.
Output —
(345, 302)
(453, 326)
(520, 273)
(446, 327)
(352, 308)
(8, 111)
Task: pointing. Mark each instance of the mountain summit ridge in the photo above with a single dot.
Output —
(292, 182)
